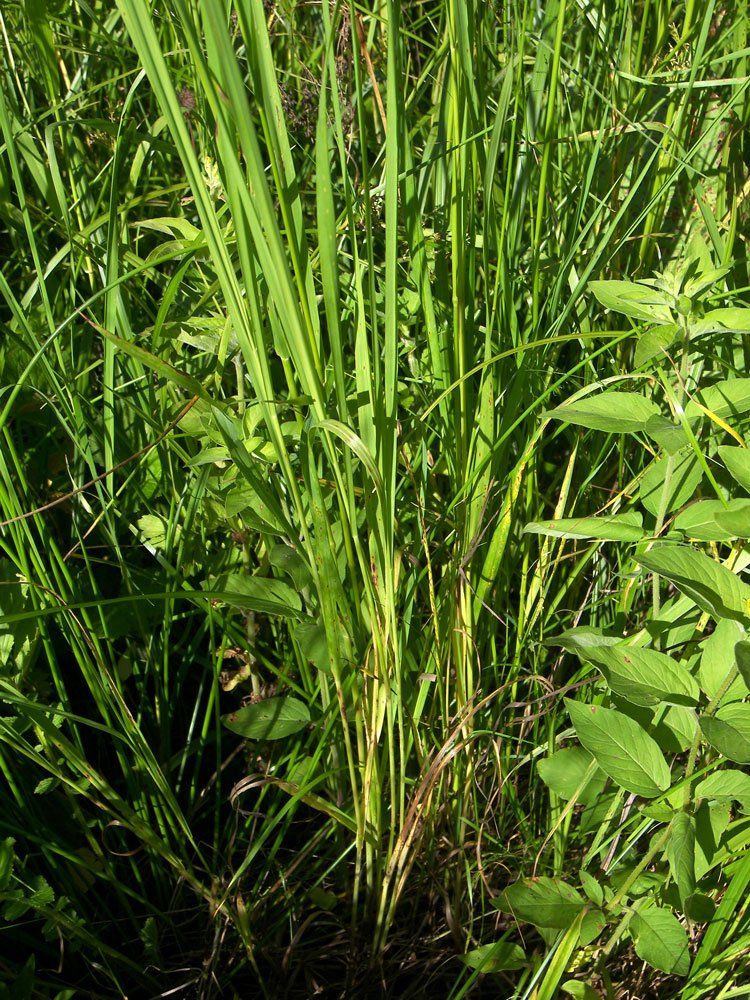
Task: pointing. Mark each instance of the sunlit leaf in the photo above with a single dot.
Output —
(615, 412)
(661, 940)
(621, 748)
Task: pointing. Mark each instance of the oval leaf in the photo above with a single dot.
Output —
(287, 559)
(729, 731)
(668, 435)
(615, 412)
(644, 676)
(728, 785)
(735, 521)
(742, 658)
(737, 461)
(502, 956)
(565, 770)
(621, 748)
(660, 940)
(718, 659)
(713, 587)
(685, 473)
(255, 593)
(725, 400)
(546, 902)
(681, 853)
(272, 719)
(626, 527)
(703, 521)
(632, 299)
(311, 639)
(574, 640)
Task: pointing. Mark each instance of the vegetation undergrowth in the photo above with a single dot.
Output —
(373, 487)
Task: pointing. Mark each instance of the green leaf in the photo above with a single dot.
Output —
(565, 770)
(621, 748)
(627, 527)
(584, 637)
(592, 888)
(737, 461)
(699, 908)
(254, 513)
(255, 593)
(718, 659)
(735, 521)
(287, 559)
(681, 853)
(711, 820)
(6, 862)
(632, 299)
(645, 883)
(729, 731)
(676, 729)
(727, 785)
(742, 658)
(645, 676)
(592, 925)
(502, 956)
(668, 435)
(322, 898)
(272, 719)
(579, 990)
(546, 902)
(654, 342)
(686, 473)
(713, 587)
(703, 521)
(725, 400)
(311, 639)
(154, 531)
(660, 940)
(615, 412)
(733, 319)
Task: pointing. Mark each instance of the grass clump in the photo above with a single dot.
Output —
(298, 342)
